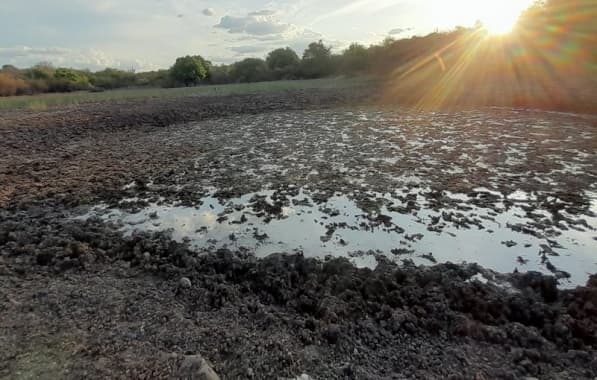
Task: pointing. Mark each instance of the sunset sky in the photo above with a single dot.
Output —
(150, 34)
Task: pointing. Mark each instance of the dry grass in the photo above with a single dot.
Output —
(44, 101)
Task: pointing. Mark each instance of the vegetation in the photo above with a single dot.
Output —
(43, 101)
(554, 46)
(190, 70)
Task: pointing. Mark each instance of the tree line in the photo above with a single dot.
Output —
(555, 38)
(317, 61)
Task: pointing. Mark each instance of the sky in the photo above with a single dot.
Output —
(149, 34)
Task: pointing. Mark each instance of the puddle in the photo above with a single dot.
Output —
(508, 189)
(401, 225)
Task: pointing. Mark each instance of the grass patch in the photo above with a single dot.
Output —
(44, 101)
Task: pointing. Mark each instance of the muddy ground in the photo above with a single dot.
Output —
(79, 298)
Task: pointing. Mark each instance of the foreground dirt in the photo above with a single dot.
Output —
(80, 300)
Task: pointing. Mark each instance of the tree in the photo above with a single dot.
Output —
(283, 62)
(190, 69)
(66, 80)
(355, 59)
(10, 69)
(317, 60)
(221, 74)
(43, 70)
(113, 78)
(250, 70)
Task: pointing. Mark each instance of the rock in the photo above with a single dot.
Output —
(44, 259)
(332, 334)
(509, 243)
(250, 373)
(194, 367)
(184, 283)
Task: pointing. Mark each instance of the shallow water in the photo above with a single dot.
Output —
(339, 227)
(508, 189)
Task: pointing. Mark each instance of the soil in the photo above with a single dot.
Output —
(80, 299)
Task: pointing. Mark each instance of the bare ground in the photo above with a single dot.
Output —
(78, 299)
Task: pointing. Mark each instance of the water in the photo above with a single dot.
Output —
(508, 189)
(339, 227)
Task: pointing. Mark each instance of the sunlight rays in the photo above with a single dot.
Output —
(539, 64)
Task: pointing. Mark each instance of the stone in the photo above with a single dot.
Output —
(332, 334)
(185, 283)
(194, 367)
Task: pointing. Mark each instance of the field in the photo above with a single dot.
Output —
(283, 231)
(45, 101)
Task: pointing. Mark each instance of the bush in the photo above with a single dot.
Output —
(38, 86)
(113, 78)
(68, 80)
(251, 70)
(10, 85)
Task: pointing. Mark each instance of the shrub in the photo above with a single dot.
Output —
(10, 85)
(67, 80)
(112, 78)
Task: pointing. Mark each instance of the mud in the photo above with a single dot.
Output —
(87, 293)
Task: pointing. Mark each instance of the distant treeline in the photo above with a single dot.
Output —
(553, 45)
(317, 61)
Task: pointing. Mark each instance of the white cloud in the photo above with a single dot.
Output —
(265, 12)
(397, 31)
(246, 49)
(258, 25)
(208, 12)
(260, 32)
(92, 59)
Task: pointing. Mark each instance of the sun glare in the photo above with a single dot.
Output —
(498, 17)
(503, 19)
(500, 23)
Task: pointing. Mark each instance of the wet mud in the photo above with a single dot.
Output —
(297, 235)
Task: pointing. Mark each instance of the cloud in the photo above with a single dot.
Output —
(397, 31)
(208, 12)
(248, 49)
(93, 59)
(260, 32)
(257, 25)
(265, 12)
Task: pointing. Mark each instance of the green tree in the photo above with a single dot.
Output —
(355, 59)
(43, 70)
(283, 62)
(221, 74)
(250, 70)
(66, 80)
(190, 70)
(9, 68)
(113, 78)
(317, 60)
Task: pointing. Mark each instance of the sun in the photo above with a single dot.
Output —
(503, 17)
(497, 17)
(500, 24)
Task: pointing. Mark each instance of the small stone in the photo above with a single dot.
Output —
(146, 255)
(250, 373)
(332, 334)
(185, 283)
(194, 367)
